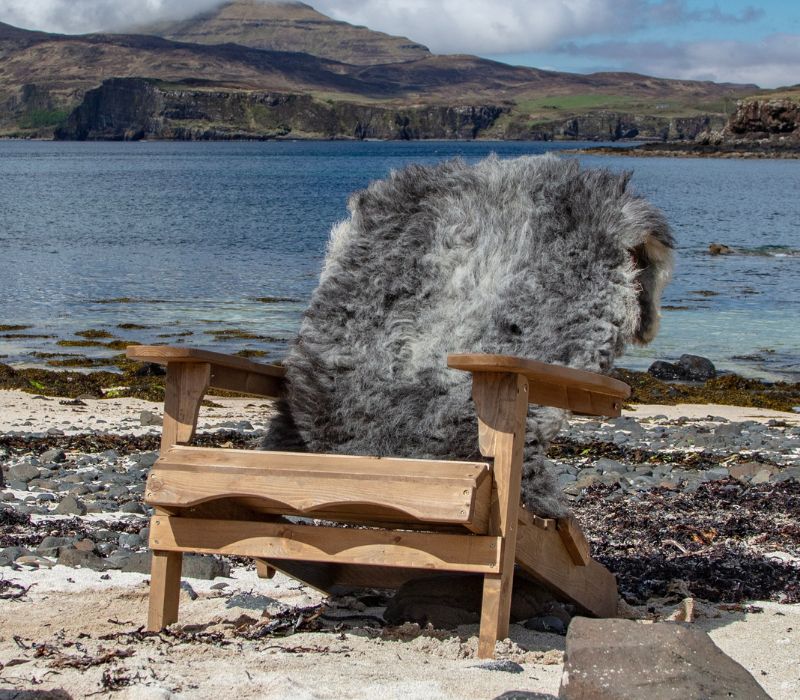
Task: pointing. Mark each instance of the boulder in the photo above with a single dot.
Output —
(623, 659)
(665, 370)
(23, 472)
(70, 506)
(696, 368)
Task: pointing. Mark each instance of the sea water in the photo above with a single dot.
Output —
(190, 239)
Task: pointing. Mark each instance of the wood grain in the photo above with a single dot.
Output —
(276, 541)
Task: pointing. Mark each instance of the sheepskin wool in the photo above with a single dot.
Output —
(533, 257)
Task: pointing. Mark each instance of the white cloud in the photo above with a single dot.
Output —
(515, 26)
(771, 62)
(82, 16)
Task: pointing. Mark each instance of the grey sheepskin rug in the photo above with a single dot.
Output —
(533, 257)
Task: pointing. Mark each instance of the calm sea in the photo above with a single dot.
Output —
(190, 239)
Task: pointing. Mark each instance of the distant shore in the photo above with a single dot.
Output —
(682, 149)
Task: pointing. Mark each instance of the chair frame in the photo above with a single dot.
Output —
(208, 499)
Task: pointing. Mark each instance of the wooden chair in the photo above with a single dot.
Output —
(439, 516)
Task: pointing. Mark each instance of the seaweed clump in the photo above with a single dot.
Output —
(728, 390)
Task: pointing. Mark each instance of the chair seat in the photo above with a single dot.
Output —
(334, 487)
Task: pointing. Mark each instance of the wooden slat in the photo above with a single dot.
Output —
(574, 540)
(163, 354)
(243, 381)
(448, 492)
(275, 541)
(541, 554)
(578, 401)
(540, 372)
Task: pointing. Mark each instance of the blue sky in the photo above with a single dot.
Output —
(730, 41)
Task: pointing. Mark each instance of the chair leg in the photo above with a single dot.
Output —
(263, 569)
(495, 611)
(165, 589)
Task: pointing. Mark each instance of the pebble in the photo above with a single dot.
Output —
(70, 506)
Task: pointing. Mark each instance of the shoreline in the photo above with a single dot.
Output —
(682, 502)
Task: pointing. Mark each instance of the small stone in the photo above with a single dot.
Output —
(50, 546)
(129, 540)
(70, 506)
(131, 507)
(249, 601)
(610, 465)
(9, 555)
(525, 695)
(34, 561)
(69, 556)
(23, 472)
(746, 470)
(548, 623)
(85, 545)
(148, 418)
(54, 455)
(145, 459)
(500, 665)
(762, 477)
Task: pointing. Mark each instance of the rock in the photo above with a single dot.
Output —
(70, 506)
(720, 249)
(621, 659)
(762, 477)
(145, 459)
(500, 665)
(688, 368)
(249, 601)
(50, 546)
(9, 555)
(54, 455)
(524, 695)
(23, 472)
(194, 565)
(129, 540)
(610, 465)
(746, 470)
(147, 418)
(664, 370)
(547, 623)
(69, 556)
(131, 507)
(696, 368)
(34, 561)
(85, 545)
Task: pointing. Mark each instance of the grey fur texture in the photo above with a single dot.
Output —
(533, 257)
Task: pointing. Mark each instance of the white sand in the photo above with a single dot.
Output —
(20, 411)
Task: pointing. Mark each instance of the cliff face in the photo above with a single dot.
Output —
(133, 108)
(765, 119)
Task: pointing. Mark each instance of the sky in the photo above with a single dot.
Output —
(731, 41)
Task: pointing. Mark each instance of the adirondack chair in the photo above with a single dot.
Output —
(429, 515)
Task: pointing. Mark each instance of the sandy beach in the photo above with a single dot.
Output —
(76, 631)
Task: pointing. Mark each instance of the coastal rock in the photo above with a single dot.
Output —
(54, 455)
(719, 249)
(148, 418)
(662, 369)
(696, 368)
(23, 472)
(623, 659)
(70, 556)
(194, 565)
(70, 506)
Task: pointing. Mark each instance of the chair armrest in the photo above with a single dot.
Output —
(577, 390)
(227, 372)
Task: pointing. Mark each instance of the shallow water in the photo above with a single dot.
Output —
(191, 237)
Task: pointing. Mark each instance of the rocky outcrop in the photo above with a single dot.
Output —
(764, 119)
(133, 108)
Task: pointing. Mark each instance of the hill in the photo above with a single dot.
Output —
(44, 77)
(290, 26)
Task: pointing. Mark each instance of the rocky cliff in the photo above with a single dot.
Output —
(134, 108)
(131, 108)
